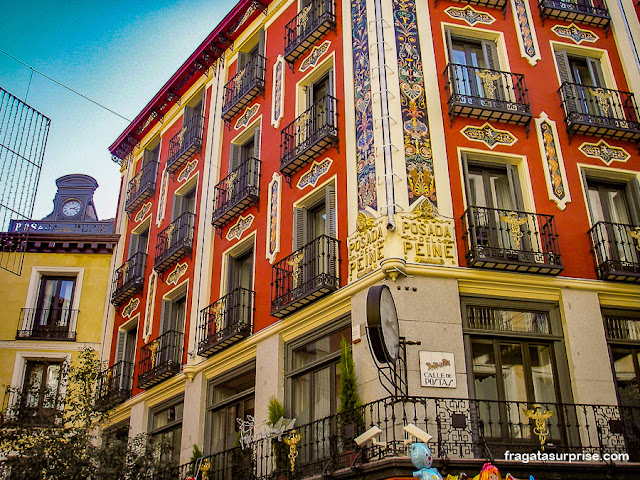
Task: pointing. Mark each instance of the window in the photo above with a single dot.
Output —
(228, 400)
(241, 152)
(151, 155)
(251, 50)
(175, 314)
(468, 57)
(53, 313)
(193, 108)
(314, 217)
(184, 203)
(623, 336)
(165, 431)
(240, 271)
(516, 357)
(41, 391)
(583, 75)
(139, 242)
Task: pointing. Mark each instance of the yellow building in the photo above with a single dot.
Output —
(55, 307)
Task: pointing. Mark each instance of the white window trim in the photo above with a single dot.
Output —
(316, 73)
(584, 51)
(247, 243)
(475, 33)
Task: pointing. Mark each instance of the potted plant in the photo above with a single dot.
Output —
(350, 419)
(194, 465)
(241, 461)
(278, 447)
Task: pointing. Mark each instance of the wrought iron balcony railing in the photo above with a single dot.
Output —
(226, 321)
(500, 4)
(245, 85)
(236, 192)
(115, 384)
(616, 251)
(315, 19)
(160, 359)
(128, 279)
(47, 324)
(309, 135)
(487, 94)
(186, 143)
(589, 12)
(34, 408)
(511, 240)
(304, 276)
(600, 112)
(465, 432)
(141, 186)
(175, 241)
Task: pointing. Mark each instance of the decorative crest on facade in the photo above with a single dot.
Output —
(177, 273)
(130, 307)
(246, 117)
(572, 32)
(241, 226)
(187, 170)
(470, 15)
(489, 135)
(604, 152)
(540, 416)
(317, 52)
(142, 213)
(312, 175)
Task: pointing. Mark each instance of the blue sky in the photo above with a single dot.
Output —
(118, 53)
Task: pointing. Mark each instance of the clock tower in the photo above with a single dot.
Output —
(74, 200)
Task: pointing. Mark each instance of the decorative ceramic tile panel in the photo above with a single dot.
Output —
(604, 152)
(417, 142)
(162, 199)
(527, 38)
(148, 311)
(314, 57)
(365, 154)
(310, 177)
(177, 273)
(552, 161)
(246, 117)
(277, 99)
(142, 213)
(470, 15)
(273, 217)
(238, 228)
(489, 135)
(130, 307)
(572, 32)
(187, 170)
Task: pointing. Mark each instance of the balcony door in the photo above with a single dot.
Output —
(610, 203)
(122, 379)
(319, 108)
(239, 283)
(40, 391)
(53, 312)
(586, 75)
(493, 192)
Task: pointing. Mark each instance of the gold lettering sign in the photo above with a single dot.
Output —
(427, 237)
(366, 247)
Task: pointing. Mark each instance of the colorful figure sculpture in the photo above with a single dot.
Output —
(488, 472)
(422, 459)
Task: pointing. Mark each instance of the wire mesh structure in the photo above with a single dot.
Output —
(23, 137)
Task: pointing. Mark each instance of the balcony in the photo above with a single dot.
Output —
(236, 192)
(160, 359)
(487, 94)
(245, 85)
(588, 12)
(186, 143)
(34, 409)
(466, 433)
(115, 384)
(225, 322)
(499, 4)
(514, 241)
(175, 241)
(616, 251)
(309, 25)
(47, 324)
(600, 112)
(309, 135)
(305, 276)
(141, 186)
(128, 279)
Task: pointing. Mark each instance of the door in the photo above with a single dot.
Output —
(471, 59)
(239, 285)
(53, 312)
(582, 76)
(41, 391)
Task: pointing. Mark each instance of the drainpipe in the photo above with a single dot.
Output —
(384, 106)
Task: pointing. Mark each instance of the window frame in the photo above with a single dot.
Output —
(632, 344)
(325, 193)
(170, 426)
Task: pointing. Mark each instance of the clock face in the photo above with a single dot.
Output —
(389, 324)
(71, 208)
(382, 324)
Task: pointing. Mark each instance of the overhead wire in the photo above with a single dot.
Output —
(62, 85)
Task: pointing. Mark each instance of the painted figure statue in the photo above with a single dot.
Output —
(422, 459)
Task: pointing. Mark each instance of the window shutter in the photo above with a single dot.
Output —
(256, 143)
(564, 68)
(490, 54)
(595, 70)
(514, 186)
(122, 335)
(260, 46)
(633, 198)
(242, 60)
(447, 33)
(569, 92)
(331, 224)
(234, 157)
(299, 228)
(167, 311)
(465, 173)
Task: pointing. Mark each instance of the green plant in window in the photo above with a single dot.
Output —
(276, 412)
(242, 465)
(350, 418)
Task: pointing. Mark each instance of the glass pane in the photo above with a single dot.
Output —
(484, 370)
(234, 386)
(476, 187)
(500, 191)
(627, 381)
(618, 206)
(322, 399)
(52, 381)
(513, 372)
(542, 374)
(320, 348)
(301, 399)
(33, 385)
(218, 432)
(166, 416)
(508, 320)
